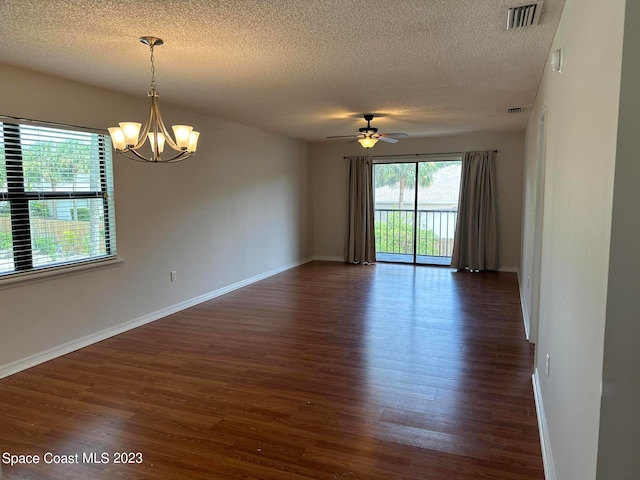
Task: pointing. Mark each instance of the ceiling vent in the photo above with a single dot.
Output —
(524, 15)
(514, 110)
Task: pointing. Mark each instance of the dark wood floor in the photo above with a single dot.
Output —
(326, 371)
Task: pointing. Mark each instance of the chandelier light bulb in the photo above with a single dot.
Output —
(131, 132)
(152, 141)
(193, 141)
(117, 138)
(182, 133)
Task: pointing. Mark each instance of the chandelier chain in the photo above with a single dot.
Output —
(153, 70)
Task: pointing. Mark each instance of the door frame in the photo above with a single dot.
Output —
(538, 221)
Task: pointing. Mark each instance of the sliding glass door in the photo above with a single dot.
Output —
(416, 208)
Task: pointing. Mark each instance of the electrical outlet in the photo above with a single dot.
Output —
(173, 276)
(546, 366)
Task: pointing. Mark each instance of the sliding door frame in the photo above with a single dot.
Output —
(417, 159)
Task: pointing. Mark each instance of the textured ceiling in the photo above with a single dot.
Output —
(303, 68)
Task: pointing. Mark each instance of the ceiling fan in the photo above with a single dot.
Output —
(369, 135)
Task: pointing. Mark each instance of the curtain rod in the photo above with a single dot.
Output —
(416, 154)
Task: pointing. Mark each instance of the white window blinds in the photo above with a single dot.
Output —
(56, 197)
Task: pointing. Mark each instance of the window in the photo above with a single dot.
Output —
(56, 197)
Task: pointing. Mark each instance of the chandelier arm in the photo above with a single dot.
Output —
(138, 157)
(155, 107)
(143, 135)
(142, 159)
(183, 155)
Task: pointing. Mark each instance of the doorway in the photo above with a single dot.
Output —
(416, 210)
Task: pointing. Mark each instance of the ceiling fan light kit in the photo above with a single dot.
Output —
(368, 142)
(127, 140)
(368, 136)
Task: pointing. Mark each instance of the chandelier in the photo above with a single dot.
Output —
(128, 141)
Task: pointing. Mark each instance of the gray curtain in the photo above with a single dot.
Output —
(361, 245)
(476, 241)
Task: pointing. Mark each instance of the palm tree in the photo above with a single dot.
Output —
(404, 175)
(52, 163)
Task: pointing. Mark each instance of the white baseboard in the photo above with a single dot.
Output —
(545, 441)
(508, 269)
(328, 258)
(58, 351)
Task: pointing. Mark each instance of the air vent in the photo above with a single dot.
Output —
(524, 15)
(514, 110)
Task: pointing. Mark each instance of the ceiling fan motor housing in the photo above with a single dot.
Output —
(368, 130)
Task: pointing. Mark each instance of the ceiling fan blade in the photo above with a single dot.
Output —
(387, 139)
(343, 136)
(394, 135)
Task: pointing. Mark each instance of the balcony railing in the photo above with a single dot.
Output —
(434, 233)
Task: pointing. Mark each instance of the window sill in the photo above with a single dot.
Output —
(33, 276)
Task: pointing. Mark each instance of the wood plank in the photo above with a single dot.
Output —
(326, 371)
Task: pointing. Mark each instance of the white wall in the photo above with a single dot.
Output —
(620, 416)
(237, 210)
(330, 173)
(581, 125)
